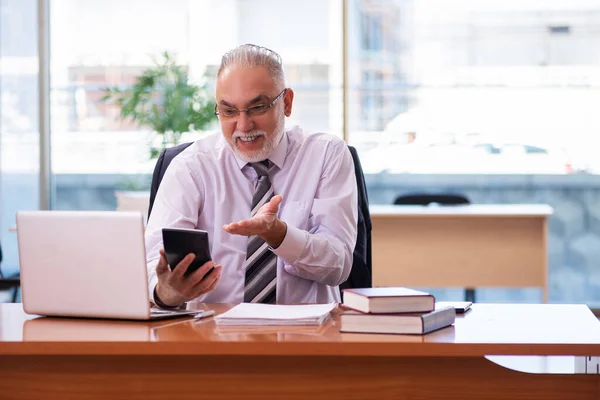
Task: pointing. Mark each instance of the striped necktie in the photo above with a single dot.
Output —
(261, 263)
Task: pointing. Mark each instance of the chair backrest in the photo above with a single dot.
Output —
(361, 273)
(426, 199)
(164, 159)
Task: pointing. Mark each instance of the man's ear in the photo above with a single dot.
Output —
(288, 99)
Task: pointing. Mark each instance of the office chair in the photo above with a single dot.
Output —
(361, 273)
(424, 199)
(10, 283)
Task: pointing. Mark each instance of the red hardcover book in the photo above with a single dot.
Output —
(381, 300)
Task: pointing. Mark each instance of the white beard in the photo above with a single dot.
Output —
(270, 143)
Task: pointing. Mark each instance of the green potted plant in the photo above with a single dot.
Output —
(163, 99)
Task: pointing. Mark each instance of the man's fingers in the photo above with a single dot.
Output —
(182, 267)
(240, 228)
(216, 280)
(276, 200)
(273, 205)
(199, 274)
(211, 278)
(162, 266)
(208, 283)
(250, 224)
(230, 228)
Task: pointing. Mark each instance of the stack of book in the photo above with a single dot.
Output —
(396, 310)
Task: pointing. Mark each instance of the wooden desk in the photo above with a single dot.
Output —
(469, 246)
(188, 359)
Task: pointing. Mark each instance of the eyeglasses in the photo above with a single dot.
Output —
(259, 109)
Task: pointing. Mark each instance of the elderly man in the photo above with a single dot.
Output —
(280, 207)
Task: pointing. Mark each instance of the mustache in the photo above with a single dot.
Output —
(254, 132)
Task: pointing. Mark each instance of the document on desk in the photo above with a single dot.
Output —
(252, 314)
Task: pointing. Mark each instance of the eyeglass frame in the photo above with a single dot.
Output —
(248, 110)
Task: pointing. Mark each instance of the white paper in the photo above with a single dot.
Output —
(275, 314)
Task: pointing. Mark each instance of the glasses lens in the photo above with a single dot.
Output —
(258, 110)
(228, 112)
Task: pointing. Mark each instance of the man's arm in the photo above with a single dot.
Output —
(176, 205)
(324, 252)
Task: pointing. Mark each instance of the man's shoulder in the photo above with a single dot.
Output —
(302, 138)
(207, 147)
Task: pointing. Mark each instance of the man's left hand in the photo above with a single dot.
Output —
(264, 224)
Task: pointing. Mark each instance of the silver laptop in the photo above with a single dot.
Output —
(85, 264)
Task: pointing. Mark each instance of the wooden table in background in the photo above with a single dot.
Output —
(470, 246)
(53, 358)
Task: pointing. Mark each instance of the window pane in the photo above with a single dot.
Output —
(472, 87)
(505, 88)
(19, 136)
(99, 44)
(308, 37)
(95, 45)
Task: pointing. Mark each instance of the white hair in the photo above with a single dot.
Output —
(249, 56)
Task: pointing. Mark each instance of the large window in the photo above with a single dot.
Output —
(19, 135)
(471, 87)
(495, 99)
(93, 46)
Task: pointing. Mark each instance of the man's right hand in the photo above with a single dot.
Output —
(174, 288)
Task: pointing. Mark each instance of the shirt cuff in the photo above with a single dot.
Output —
(292, 246)
(160, 304)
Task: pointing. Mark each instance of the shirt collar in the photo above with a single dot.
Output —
(277, 157)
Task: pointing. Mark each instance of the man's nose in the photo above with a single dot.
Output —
(244, 123)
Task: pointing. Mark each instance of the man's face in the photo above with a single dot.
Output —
(252, 135)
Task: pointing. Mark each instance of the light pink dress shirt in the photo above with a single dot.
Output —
(207, 186)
